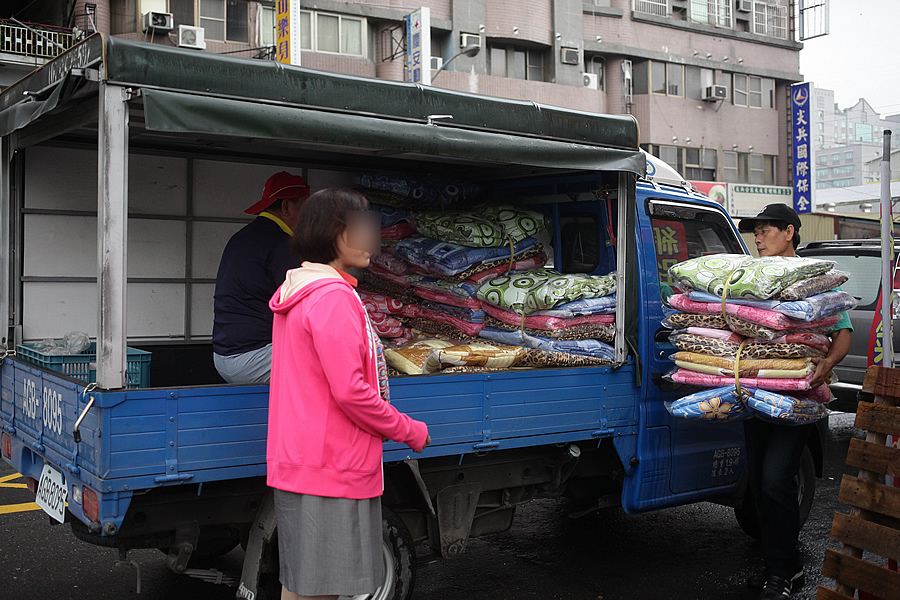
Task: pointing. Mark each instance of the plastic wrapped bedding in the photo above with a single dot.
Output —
(599, 331)
(814, 285)
(718, 334)
(399, 231)
(401, 280)
(686, 342)
(787, 410)
(767, 318)
(728, 363)
(716, 405)
(516, 223)
(447, 259)
(809, 309)
(682, 320)
(390, 263)
(472, 315)
(814, 340)
(588, 347)
(473, 355)
(479, 268)
(545, 322)
(546, 358)
(379, 303)
(419, 190)
(466, 327)
(748, 277)
(463, 289)
(526, 264)
(448, 298)
(411, 359)
(688, 377)
(605, 305)
(391, 215)
(462, 228)
(745, 372)
(386, 326)
(543, 289)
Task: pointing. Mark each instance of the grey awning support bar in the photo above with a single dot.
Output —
(112, 235)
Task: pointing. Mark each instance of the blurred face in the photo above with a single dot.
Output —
(771, 241)
(360, 239)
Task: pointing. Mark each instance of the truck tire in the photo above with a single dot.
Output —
(399, 553)
(746, 514)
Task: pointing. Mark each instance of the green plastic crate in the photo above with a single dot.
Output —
(84, 366)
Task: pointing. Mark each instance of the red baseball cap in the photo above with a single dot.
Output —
(280, 185)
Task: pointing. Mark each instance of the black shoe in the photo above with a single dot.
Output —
(777, 588)
(758, 582)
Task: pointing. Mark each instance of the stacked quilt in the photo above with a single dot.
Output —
(751, 329)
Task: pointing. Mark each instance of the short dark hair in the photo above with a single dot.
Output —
(782, 226)
(320, 222)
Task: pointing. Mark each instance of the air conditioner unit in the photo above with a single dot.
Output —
(744, 6)
(191, 37)
(569, 56)
(158, 20)
(714, 93)
(591, 80)
(436, 63)
(469, 39)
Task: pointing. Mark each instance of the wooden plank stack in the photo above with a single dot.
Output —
(873, 525)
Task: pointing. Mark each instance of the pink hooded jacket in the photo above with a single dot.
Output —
(326, 416)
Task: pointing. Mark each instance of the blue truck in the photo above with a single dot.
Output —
(122, 167)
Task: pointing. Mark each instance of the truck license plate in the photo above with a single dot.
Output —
(52, 493)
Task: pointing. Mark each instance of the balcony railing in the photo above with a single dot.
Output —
(41, 41)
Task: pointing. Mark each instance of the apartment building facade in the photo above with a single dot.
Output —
(708, 80)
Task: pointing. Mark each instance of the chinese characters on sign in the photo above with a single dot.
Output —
(418, 46)
(670, 240)
(800, 141)
(287, 31)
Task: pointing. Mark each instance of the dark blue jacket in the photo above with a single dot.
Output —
(253, 265)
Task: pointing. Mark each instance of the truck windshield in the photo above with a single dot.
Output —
(866, 269)
(682, 231)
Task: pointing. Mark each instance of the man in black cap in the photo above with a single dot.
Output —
(774, 451)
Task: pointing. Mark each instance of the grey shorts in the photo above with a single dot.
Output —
(250, 367)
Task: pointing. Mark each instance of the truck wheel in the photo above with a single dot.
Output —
(746, 514)
(398, 550)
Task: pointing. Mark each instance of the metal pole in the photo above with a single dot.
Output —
(887, 253)
(6, 248)
(112, 236)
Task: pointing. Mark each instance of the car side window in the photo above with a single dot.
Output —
(682, 231)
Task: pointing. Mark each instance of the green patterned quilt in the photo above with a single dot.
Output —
(543, 289)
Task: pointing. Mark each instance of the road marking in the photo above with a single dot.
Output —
(6, 478)
(4, 482)
(17, 508)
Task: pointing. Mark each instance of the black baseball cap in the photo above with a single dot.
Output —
(772, 212)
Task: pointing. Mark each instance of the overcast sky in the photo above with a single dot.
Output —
(859, 58)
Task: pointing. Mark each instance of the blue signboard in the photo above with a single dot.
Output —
(418, 46)
(800, 140)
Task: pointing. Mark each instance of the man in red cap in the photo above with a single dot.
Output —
(253, 265)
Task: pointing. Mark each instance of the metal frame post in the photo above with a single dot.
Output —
(6, 251)
(112, 236)
(887, 254)
(625, 229)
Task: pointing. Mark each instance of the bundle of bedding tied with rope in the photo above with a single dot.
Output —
(751, 330)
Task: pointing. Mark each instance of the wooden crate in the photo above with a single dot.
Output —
(873, 525)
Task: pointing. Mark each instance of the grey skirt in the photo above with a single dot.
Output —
(329, 546)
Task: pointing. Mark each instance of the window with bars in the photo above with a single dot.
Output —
(770, 20)
(659, 8)
(711, 12)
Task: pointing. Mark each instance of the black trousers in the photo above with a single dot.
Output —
(773, 459)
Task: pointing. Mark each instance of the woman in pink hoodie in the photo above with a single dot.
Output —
(328, 408)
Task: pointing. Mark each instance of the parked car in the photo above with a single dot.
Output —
(862, 260)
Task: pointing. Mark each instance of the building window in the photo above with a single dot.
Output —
(822, 172)
(267, 26)
(332, 33)
(756, 92)
(845, 170)
(711, 12)
(517, 63)
(770, 20)
(225, 20)
(696, 80)
(698, 164)
(762, 169)
(863, 132)
(742, 167)
(847, 182)
(835, 158)
(822, 159)
(640, 77)
(730, 167)
(848, 155)
(666, 79)
(660, 8)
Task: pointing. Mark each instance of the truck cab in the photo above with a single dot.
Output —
(125, 167)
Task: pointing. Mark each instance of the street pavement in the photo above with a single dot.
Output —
(686, 553)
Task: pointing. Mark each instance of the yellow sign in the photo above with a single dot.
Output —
(287, 31)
